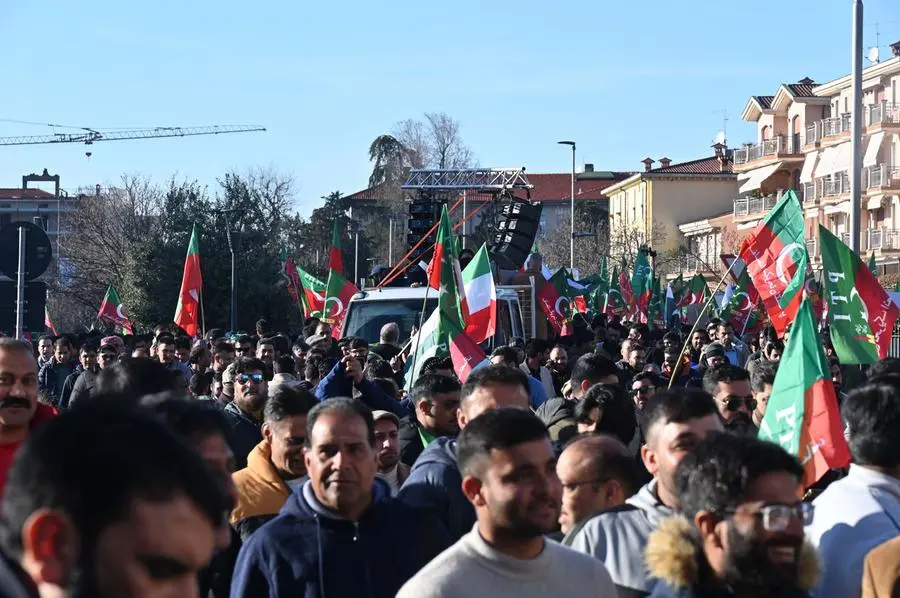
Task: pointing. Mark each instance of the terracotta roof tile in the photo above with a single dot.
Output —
(702, 166)
(764, 101)
(25, 194)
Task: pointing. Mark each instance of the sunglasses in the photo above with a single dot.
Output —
(734, 403)
(642, 390)
(245, 378)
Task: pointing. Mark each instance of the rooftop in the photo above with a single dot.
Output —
(710, 165)
(19, 193)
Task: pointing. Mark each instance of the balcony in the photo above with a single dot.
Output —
(845, 238)
(811, 247)
(769, 147)
(827, 127)
(745, 206)
(884, 238)
(692, 264)
(838, 185)
(881, 175)
(812, 191)
(885, 113)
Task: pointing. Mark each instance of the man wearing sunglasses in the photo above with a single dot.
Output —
(729, 386)
(740, 531)
(245, 412)
(107, 356)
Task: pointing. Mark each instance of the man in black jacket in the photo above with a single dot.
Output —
(436, 399)
(244, 413)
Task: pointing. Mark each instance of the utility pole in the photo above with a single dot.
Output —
(856, 126)
(572, 214)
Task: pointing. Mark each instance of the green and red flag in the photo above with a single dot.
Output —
(873, 268)
(802, 415)
(614, 304)
(291, 277)
(656, 312)
(861, 315)
(695, 293)
(642, 286)
(338, 293)
(626, 292)
(479, 303)
(554, 301)
(112, 310)
(443, 334)
(775, 254)
(313, 295)
(740, 309)
(187, 312)
(598, 295)
(335, 258)
(48, 323)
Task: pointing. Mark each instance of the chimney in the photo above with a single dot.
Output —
(806, 81)
(895, 48)
(648, 164)
(589, 167)
(723, 155)
(664, 162)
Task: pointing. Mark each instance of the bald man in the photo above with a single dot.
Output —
(597, 472)
(388, 346)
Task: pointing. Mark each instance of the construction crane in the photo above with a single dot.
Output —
(89, 136)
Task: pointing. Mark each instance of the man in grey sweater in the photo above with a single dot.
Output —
(676, 421)
(509, 476)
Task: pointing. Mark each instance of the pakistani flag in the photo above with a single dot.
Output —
(112, 310)
(642, 286)
(860, 312)
(553, 297)
(614, 304)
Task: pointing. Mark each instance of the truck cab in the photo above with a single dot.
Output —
(370, 310)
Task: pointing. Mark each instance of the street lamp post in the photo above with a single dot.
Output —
(572, 215)
(856, 127)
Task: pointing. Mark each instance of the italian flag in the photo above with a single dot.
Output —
(479, 303)
(187, 312)
(803, 415)
(443, 333)
(111, 310)
(554, 301)
(338, 293)
(775, 254)
(860, 313)
(335, 258)
(48, 323)
(313, 295)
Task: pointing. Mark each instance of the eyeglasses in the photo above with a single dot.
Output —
(777, 518)
(734, 403)
(643, 390)
(244, 378)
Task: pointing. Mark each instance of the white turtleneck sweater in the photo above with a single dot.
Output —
(471, 568)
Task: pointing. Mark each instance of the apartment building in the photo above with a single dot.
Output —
(803, 142)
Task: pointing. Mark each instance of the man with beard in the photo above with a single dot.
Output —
(740, 530)
(535, 365)
(245, 412)
(387, 448)
(762, 380)
(146, 530)
(20, 412)
(676, 421)
(340, 534)
(730, 388)
(558, 365)
(509, 476)
(275, 466)
(45, 351)
(436, 400)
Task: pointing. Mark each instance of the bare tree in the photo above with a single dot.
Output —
(434, 142)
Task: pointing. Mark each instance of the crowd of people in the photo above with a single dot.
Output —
(607, 463)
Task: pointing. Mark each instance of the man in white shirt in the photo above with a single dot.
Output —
(509, 475)
(859, 512)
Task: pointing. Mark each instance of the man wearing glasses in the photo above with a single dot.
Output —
(244, 413)
(740, 531)
(729, 386)
(643, 386)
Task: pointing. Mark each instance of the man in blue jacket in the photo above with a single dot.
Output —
(346, 379)
(435, 485)
(340, 535)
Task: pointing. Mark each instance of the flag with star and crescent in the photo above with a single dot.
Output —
(443, 334)
(776, 258)
(338, 293)
(554, 301)
(111, 310)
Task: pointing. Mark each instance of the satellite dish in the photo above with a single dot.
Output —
(720, 137)
(873, 54)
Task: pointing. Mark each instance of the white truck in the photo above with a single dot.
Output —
(371, 309)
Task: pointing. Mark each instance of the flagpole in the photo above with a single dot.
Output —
(415, 352)
(747, 321)
(202, 315)
(712, 297)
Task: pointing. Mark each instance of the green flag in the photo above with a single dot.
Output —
(872, 267)
(802, 415)
(860, 312)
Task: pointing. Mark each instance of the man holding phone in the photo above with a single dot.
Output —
(346, 379)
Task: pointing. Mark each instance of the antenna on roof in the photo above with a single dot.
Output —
(722, 136)
(873, 54)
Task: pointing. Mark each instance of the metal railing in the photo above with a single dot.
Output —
(836, 125)
(884, 238)
(813, 191)
(812, 133)
(845, 238)
(769, 147)
(837, 185)
(691, 264)
(881, 175)
(744, 206)
(811, 247)
(885, 112)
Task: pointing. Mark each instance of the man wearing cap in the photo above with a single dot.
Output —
(387, 447)
(107, 356)
(713, 355)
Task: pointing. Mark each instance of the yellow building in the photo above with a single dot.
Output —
(648, 206)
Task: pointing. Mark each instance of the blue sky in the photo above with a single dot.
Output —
(624, 79)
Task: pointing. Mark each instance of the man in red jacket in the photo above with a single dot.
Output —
(20, 411)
